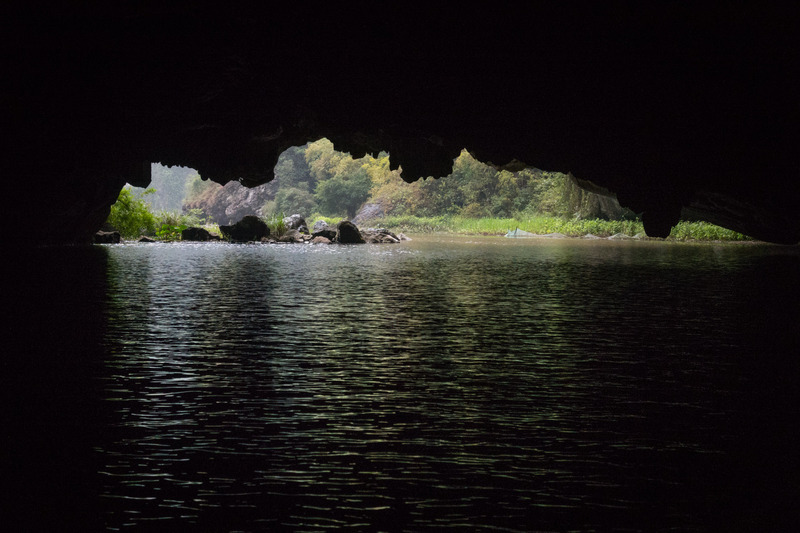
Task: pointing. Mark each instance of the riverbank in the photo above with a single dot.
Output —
(547, 226)
(700, 231)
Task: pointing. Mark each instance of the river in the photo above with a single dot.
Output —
(446, 383)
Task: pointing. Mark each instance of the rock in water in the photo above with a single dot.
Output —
(295, 222)
(347, 233)
(195, 234)
(250, 228)
(106, 237)
(320, 225)
(321, 229)
(379, 236)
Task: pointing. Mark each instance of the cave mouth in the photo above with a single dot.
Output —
(679, 111)
(316, 181)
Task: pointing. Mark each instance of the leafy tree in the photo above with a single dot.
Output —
(345, 192)
(322, 159)
(294, 200)
(342, 183)
(131, 215)
(292, 169)
(390, 190)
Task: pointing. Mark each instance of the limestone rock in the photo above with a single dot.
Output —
(368, 212)
(319, 225)
(196, 234)
(291, 235)
(296, 222)
(329, 232)
(225, 204)
(380, 236)
(250, 228)
(347, 233)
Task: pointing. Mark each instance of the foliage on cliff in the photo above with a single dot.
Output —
(316, 180)
(131, 215)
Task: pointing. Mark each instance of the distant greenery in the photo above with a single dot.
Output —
(542, 225)
(475, 198)
(131, 215)
(317, 181)
(500, 226)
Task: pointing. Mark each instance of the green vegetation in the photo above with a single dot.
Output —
(500, 226)
(543, 225)
(133, 217)
(170, 233)
(704, 231)
(130, 214)
(319, 182)
(277, 228)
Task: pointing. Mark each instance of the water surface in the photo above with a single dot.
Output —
(447, 383)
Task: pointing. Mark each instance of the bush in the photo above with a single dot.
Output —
(131, 216)
(170, 233)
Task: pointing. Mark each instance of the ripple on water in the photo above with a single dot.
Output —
(424, 386)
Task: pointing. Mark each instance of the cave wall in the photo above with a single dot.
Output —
(680, 111)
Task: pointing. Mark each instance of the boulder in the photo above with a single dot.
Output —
(379, 236)
(320, 240)
(145, 239)
(347, 233)
(291, 235)
(328, 232)
(620, 237)
(320, 225)
(296, 222)
(249, 228)
(107, 237)
(368, 212)
(196, 234)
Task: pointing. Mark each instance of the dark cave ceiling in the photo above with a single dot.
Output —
(678, 112)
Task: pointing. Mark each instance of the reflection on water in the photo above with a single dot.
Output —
(439, 384)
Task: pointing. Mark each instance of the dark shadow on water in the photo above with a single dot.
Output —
(55, 301)
(620, 387)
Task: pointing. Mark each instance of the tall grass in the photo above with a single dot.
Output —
(277, 227)
(542, 225)
(705, 231)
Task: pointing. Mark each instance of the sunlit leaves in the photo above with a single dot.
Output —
(131, 215)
